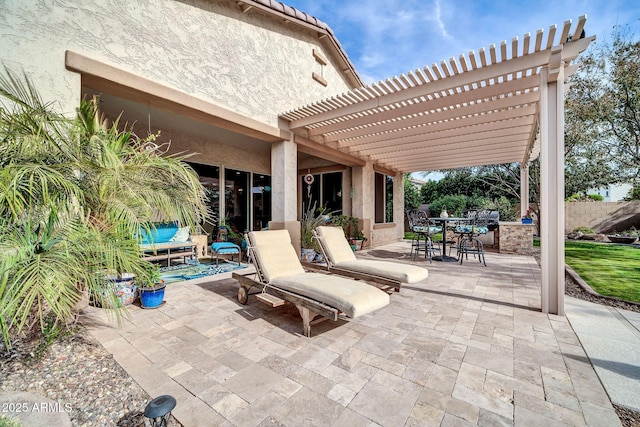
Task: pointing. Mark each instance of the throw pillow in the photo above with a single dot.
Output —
(182, 235)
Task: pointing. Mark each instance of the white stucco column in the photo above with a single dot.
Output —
(284, 180)
(524, 189)
(363, 183)
(398, 204)
(362, 198)
(552, 189)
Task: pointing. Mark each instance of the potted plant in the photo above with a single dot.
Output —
(528, 217)
(124, 287)
(311, 218)
(357, 240)
(151, 287)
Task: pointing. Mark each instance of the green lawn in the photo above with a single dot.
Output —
(612, 270)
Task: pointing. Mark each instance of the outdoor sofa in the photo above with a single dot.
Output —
(165, 242)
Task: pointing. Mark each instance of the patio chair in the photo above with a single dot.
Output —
(281, 278)
(468, 242)
(423, 229)
(342, 261)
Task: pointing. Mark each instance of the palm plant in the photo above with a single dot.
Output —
(312, 218)
(74, 193)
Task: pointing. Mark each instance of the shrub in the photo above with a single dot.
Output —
(74, 194)
(455, 205)
(634, 193)
(585, 198)
(632, 232)
(584, 230)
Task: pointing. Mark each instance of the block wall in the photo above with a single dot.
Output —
(603, 217)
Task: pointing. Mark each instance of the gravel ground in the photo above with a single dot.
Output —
(79, 371)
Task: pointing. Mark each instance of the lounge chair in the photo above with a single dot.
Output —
(341, 260)
(282, 278)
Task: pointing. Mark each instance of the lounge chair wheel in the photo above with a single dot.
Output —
(243, 296)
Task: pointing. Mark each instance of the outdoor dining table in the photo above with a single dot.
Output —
(443, 223)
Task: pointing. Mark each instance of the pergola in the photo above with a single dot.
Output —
(501, 106)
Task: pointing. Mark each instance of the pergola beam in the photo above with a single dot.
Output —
(417, 141)
(533, 61)
(365, 118)
(471, 112)
(450, 128)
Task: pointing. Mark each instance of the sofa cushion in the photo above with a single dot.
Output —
(182, 235)
(158, 233)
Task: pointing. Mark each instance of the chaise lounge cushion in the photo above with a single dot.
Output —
(350, 297)
(404, 273)
(333, 242)
(275, 254)
(280, 266)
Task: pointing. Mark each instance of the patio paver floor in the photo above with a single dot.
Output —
(467, 346)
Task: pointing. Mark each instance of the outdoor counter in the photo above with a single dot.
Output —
(514, 238)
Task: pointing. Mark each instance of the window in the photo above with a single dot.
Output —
(326, 191)
(383, 198)
(236, 200)
(242, 207)
(261, 191)
(210, 180)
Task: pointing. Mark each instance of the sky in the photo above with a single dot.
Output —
(385, 38)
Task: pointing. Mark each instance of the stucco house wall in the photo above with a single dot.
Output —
(249, 62)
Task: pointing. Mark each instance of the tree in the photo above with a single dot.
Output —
(429, 191)
(495, 187)
(412, 199)
(74, 193)
(602, 125)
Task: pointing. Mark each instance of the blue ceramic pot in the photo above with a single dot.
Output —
(152, 297)
(527, 220)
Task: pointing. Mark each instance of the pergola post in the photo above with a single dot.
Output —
(524, 189)
(552, 184)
